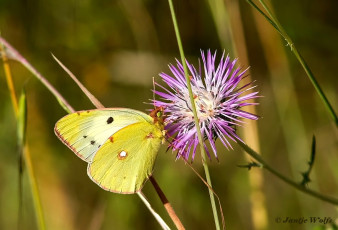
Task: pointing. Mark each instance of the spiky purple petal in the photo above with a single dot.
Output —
(218, 99)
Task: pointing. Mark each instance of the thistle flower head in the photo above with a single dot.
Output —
(218, 99)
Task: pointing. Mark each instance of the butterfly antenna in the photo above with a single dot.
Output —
(170, 144)
(154, 93)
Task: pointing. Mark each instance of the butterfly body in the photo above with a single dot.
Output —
(120, 145)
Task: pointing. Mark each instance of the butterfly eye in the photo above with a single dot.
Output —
(159, 114)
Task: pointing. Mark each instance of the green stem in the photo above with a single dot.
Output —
(199, 134)
(275, 23)
(298, 186)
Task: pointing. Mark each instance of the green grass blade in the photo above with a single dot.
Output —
(21, 133)
(22, 120)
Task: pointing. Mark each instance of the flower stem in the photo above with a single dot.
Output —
(298, 186)
(199, 134)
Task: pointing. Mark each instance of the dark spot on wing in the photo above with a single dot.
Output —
(92, 142)
(110, 120)
(111, 139)
(84, 136)
(98, 146)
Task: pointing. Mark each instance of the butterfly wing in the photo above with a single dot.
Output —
(126, 159)
(84, 132)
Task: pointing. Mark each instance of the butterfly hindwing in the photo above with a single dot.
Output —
(126, 159)
(84, 132)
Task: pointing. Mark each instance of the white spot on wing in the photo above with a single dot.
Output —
(122, 155)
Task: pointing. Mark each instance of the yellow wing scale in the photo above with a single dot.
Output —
(125, 161)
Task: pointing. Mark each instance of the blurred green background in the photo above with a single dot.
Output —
(115, 48)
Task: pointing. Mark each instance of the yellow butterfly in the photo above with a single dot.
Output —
(120, 145)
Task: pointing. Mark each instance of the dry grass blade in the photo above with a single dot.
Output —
(91, 97)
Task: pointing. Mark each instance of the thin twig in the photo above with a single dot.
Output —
(166, 204)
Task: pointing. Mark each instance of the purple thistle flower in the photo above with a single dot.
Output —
(218, 102)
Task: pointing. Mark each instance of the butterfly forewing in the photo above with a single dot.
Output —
(126, 159)
(85, 132)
